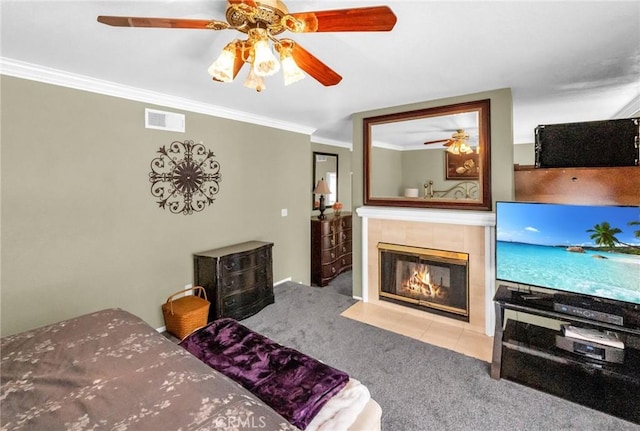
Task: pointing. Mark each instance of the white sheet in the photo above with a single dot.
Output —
(341, 410)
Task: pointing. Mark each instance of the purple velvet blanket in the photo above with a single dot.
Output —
(293, 384)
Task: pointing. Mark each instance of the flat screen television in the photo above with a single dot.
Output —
(582, 249)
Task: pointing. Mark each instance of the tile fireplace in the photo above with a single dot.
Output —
(432, 280)
(469, 233)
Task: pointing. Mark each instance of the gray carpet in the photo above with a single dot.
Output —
(418, 386)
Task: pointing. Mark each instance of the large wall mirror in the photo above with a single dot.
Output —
(435, 157)
(325, 166)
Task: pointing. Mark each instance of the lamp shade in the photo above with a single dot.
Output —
(222, 68)
(322, 188)
(264, 62)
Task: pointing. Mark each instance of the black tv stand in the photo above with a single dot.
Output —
(526, 352)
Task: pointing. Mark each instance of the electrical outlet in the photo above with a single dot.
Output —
(284, 212)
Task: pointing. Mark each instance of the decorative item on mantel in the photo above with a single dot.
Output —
(185, 177)
(322, 188)
(337, 208)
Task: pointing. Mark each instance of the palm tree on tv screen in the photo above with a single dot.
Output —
(605, 236)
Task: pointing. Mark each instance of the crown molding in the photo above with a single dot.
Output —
(34, 72)
(332, 142)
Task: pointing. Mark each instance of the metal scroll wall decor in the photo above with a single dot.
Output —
(185, 177)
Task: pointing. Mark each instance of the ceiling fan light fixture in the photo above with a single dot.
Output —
(290, 69)
(254, 81)
(222, 68)
(264, 62)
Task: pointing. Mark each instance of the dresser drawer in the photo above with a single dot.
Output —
(243, 280)
(328, 227)
(344, 248)
(328, 241)
(344, 235)
(345, 261)
(330, 254)
(242, 262)
(345, 223)
(330, 270)
(243, 305)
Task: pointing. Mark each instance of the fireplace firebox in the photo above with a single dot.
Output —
(432, 280)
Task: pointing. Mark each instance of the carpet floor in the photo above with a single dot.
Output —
(419, 386)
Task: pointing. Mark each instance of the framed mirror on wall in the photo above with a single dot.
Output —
(325, 167)
(433, 158)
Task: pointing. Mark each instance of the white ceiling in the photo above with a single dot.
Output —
(565, 61)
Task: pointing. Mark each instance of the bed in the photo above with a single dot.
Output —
(110, 370)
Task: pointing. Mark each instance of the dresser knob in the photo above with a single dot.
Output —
(333, 255)
(229, 267)
(333, 270)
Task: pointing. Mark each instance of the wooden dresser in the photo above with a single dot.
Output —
(238, 279)
(330, 247)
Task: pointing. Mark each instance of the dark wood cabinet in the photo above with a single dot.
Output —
(330, 247)
(527, 353)
(238, 278)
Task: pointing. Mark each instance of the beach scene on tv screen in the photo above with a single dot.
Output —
(591, 250)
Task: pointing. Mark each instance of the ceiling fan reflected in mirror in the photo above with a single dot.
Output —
(262, 21)
(458, 143)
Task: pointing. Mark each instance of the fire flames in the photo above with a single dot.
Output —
(419, 283)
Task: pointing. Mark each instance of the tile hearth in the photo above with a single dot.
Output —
(424, 327)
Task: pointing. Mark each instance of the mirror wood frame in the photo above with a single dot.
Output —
(482, 203)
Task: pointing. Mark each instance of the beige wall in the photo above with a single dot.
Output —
(524, 154)
(420, 166)
(80, 228)
(501, 157)
(388, 165)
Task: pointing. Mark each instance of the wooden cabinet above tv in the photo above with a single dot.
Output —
(602, 185)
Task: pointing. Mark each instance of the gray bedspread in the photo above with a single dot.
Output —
(109, 370)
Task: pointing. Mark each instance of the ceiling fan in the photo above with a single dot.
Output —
(262, 21)
(456, 144)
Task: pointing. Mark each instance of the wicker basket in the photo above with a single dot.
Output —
(184, 315)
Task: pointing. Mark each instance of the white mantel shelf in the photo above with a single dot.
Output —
(463, 217)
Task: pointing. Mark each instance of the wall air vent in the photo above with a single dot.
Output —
(162, 120)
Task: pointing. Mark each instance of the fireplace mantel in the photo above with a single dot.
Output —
(468, 218)
(483, 220)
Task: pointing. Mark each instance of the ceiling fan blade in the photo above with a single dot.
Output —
(375, 18)
(314, 67)
(439, 140)
(130, 21)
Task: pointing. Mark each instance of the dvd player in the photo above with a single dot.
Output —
(601, 312)
(591, 349)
